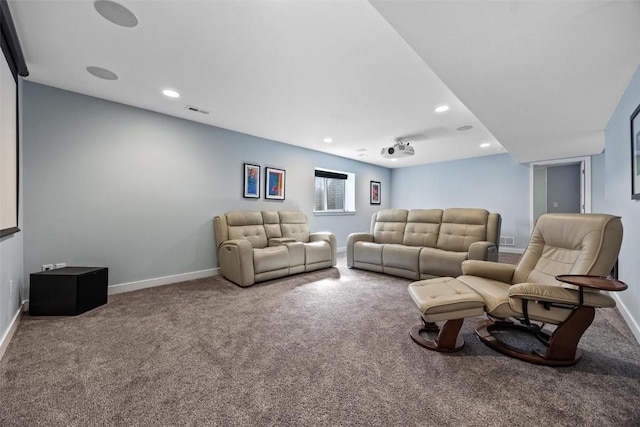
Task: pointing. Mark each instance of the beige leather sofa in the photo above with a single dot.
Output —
(425, 243)
(254, 246)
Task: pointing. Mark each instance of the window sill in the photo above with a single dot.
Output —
(333, 213)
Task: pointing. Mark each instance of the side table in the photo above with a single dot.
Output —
(595, 282)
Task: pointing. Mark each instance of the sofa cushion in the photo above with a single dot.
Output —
(368, 253)
(438, 262)
(388, 225)
(423, 226)
(247, 225)
(239, 218)
(271, 221)
(401, 260)
(461, 227)
(270, 258)
(494, 293)
(296, 257)
(317, 253)
(294, 224)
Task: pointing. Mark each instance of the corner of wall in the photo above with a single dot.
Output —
(633, 324)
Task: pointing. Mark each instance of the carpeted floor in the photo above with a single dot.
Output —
(324, 349)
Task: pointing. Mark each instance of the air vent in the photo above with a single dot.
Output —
(196, 109)
(507, 241)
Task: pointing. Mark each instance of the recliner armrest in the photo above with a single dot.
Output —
(359, 237)
(323, 235)
(489, 270)
(236, 261)
(558, 294)
(241, 243)
(483, 251)
(352, 239)
(327, 237)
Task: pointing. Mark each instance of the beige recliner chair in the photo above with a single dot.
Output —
(561, 244)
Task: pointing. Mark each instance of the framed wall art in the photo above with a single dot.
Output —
(251, 181)
(274, 183)
(374, 192)
(635, 154)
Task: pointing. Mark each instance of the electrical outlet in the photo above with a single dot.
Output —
(46, 267)
(61, 265)
(10, 288)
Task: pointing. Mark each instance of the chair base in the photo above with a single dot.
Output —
(448, 340)
(562, 347)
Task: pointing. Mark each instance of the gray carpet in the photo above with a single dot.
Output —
(323, 349)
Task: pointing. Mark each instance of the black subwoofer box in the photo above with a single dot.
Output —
(67, 291)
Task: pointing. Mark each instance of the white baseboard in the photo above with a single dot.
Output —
(341, 250)
(628, 318)
(161, 281)
(6, 338)
(511, 250)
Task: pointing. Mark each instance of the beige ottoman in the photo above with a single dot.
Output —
(443, 298)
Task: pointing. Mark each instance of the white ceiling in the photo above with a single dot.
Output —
(539, 79)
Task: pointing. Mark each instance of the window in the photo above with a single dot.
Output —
(334, 191)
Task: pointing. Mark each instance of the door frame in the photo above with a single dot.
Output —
(585, 182)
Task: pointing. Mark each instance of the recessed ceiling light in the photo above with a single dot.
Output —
(361, 150)
(465, 127)
(328, 140)
(171, 93)
(116, 13)
(441, 108)
(102, 73)
(485, 145)
(394, 160)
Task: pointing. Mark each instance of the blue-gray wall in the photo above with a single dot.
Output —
(496, 183)
(136, 191)
(617, 200)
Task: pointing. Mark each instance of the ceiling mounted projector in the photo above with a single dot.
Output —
(400, 149)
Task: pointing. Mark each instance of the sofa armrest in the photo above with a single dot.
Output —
(236, 262)
(352, 239)
(483, 251)
(327, 237)
(489, 270)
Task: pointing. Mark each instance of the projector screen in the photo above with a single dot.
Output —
(12, 65)
(8, 150)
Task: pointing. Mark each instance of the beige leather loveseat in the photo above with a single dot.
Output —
(425, 243)
(254, 246)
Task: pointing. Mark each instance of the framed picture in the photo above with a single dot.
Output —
(251, 182)
(635, 154)
(374, 192)
(274, 184)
